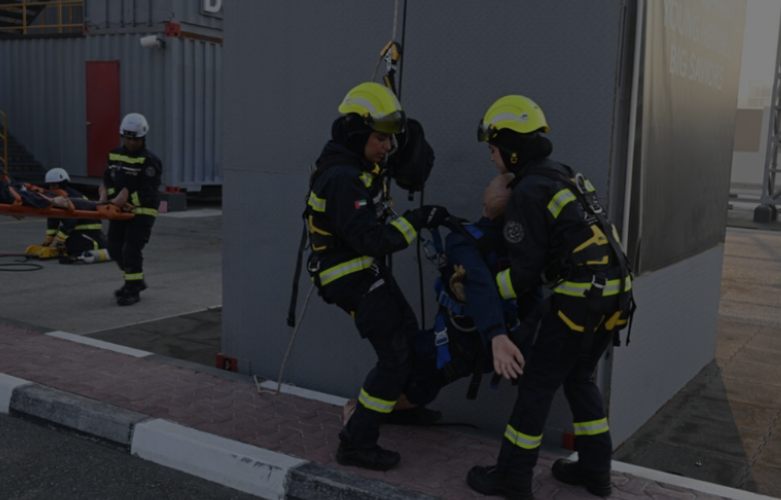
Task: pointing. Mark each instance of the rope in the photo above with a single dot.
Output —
(23, 264)
(263, 390)
(396, 18)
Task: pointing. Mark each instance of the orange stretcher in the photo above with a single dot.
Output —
(17, 209)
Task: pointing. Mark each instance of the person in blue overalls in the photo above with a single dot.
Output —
(472, 313)
(557, 234)
(350, 238)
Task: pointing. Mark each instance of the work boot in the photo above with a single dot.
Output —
(140, 287)
(128, 298)
(419, 415)
(372, 458)
(569, 472)
(488, 481)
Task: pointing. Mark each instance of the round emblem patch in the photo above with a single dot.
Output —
(513, 231)
(150, 171)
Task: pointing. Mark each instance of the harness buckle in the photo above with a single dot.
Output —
(441, 338)
(598, 282)
(313, 269)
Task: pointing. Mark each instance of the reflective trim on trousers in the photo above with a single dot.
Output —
(591, 428)
(375, 404)
(522, 440)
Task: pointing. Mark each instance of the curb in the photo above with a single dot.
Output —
(267, 474)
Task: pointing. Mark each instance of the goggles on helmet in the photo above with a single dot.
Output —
(484, 132)
(390, 124)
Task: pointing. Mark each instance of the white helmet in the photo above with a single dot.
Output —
(57, 175)
(133, 125)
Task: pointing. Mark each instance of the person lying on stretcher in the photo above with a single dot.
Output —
(28, 195)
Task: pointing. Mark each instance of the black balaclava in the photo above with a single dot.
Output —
(351, 132)
(517, 150)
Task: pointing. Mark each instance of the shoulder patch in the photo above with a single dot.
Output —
(150, 171)
(513, 231)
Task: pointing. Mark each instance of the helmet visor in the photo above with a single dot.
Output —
(393, 123)
(484, 132)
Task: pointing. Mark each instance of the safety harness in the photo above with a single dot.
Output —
(587, 255)
(465, 360)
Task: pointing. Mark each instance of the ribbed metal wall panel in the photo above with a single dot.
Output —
(42, 90)
(138, 13)
(127, 13)
(189, 11)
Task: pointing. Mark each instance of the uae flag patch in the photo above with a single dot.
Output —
(360, 204)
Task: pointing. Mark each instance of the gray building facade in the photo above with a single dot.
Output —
(288, 65)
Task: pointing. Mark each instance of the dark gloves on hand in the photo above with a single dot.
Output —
(428, 216)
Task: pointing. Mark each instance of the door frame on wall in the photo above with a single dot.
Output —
(103, 113)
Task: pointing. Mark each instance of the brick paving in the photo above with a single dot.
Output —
(435, 460)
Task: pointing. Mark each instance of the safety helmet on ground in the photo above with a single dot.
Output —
(513, 112)
(57, 175)
(133, 125)
(377, 105)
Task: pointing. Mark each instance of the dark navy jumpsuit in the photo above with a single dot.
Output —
(79, 235)
(140, 173)
(347, 207)
(482, 254)
(545, 230)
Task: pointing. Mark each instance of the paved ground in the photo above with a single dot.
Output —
(713, 422)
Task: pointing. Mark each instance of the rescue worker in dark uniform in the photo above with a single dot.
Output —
(350, 238)
(557, 234)
(134, 167)
(74, 236)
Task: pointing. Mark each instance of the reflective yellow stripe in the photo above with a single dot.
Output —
(145, 211)
(126, 159)
(571, 324)
(317, 204)
(62, 235)
(110, 191)
(405, 228)
(367, 179)
(349, 267)
(51, 232)
(559, 200)
(134, 199)
(375, 404)
(134, 277)
(591, 428)
(505, 285)
(88, 227)
(522, 440)
(589, 186)
(614, 321)
(613, 287)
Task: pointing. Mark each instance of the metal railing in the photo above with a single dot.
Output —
(22, 12)
(4, 136)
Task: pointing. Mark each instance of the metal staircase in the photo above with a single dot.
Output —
(22, 165)
(40, 17)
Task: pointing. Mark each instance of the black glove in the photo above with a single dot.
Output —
(428, 216)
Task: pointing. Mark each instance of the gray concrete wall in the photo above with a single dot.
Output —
(287, 67)
(673, 337)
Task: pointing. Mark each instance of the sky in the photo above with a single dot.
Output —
(760, 41)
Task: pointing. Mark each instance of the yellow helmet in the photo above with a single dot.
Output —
(377, 105)
(515, 112)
